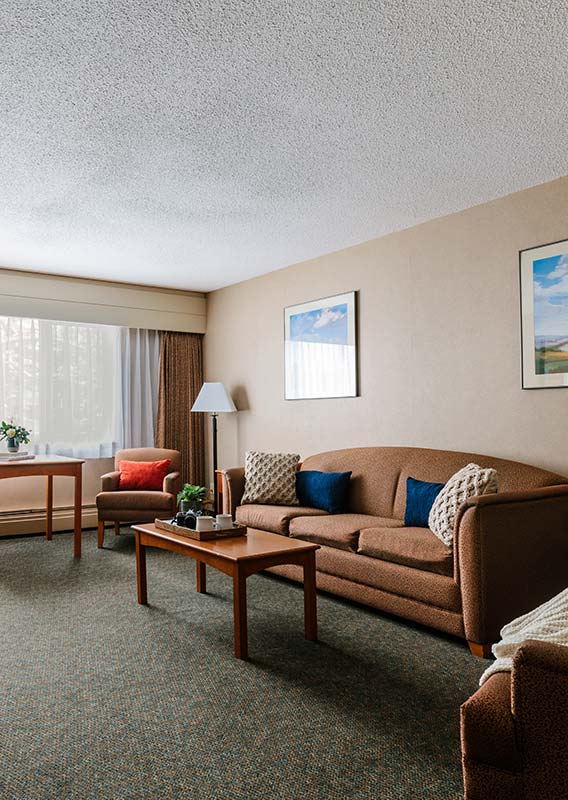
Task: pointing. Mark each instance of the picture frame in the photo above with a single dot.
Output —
(543, 272)
(321, 348)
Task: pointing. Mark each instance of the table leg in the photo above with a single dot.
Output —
(78, 509)
(240, 613)
(310, 607)
(49, 508)
(141, 581)
(201, 577)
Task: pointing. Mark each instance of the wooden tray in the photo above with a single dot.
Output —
(200, 536)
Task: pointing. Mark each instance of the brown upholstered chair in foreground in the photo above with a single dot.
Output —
(514, 729)
(118, 506)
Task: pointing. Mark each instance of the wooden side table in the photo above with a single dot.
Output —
(51, 466)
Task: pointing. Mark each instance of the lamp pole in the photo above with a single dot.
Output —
(212, 399)
(214, 425)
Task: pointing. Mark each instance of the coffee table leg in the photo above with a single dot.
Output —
(310, 607)
(141, 571)
(240, 613)
(201, 577)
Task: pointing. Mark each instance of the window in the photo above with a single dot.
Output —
(75, 385)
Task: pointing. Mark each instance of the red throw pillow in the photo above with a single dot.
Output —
(147, 475)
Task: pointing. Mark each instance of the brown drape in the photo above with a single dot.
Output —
(181, 378)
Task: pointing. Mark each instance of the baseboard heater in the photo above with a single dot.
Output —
(32, 521)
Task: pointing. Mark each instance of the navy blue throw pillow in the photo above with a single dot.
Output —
(325, 490)
(420, 496)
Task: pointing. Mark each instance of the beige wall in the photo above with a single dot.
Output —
(439, 342)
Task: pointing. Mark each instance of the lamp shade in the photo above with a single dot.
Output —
(213, 397)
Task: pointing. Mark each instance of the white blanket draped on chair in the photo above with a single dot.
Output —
(547, 623)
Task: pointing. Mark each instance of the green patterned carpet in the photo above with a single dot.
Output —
(102, 699)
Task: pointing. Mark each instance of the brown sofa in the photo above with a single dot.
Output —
(509, 554)
(514, 729)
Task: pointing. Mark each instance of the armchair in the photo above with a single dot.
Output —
(514, 729)
(114, 505)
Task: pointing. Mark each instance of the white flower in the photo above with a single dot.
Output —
(10, 433)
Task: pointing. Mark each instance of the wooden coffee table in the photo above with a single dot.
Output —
(238, 557)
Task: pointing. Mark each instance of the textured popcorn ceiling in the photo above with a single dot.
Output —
(195, 144)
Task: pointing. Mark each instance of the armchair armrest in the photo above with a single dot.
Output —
(511, 552)
(539, 700)
(172, 483)
(233, 488)
(110, 481)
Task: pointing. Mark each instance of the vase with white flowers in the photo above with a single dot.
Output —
(15, 435)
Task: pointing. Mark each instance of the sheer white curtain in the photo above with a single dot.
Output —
(84, 390)
(140, 368)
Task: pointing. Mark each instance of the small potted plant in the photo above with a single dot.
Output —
(15, 435)
(191, 498)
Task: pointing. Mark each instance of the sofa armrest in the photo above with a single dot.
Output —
(539, 700)
(110, 481)
(233, 489)
(172, 483)
(511, 551)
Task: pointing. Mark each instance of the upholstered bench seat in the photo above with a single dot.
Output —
(411, 547)
(274, 519)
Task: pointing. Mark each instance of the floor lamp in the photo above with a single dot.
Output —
(214, 399)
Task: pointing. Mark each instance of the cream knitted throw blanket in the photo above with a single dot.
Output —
(547, 623)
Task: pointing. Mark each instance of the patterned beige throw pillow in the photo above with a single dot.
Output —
(270, 478)
(468, 482)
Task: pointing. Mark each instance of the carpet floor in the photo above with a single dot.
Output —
(102, 699)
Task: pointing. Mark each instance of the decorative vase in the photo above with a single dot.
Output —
(13, 446)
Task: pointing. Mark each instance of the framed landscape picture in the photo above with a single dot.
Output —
(321, 348)
(544, 315)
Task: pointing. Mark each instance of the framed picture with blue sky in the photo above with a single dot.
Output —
(320, 348)
(544, 315)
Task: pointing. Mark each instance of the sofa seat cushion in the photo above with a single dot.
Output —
(411, 547)
(274, 519)
(135, 501)
(340, 530)
(487, 725)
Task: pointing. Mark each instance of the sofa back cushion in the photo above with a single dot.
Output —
(378, 480)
